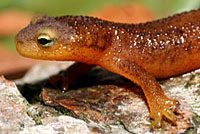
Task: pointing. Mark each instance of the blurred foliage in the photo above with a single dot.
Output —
(8, 42)
(76, 7)
(58, 7)
(165, 7)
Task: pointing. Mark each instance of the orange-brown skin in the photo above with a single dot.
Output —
(141, 52)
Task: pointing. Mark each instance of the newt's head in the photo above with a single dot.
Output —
(53, 39)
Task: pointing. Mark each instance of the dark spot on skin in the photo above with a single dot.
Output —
(181, 32)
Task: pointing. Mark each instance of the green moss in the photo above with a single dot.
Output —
(84, 118)
(37, 119)
(198, 91)
(191, 130)
(196, 120)
(65, 111)
(190, 82)
(196, 124)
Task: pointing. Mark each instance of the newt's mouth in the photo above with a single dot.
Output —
(21, 49)
(20, 45)
(24, 49)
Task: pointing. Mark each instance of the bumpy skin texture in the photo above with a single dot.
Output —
(141, 52)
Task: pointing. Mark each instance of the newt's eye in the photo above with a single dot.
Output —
(45, 40)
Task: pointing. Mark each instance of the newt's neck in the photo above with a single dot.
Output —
(90, 37)
(88, 31)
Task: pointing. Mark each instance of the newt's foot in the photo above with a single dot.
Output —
(60, 82)
(163, 107)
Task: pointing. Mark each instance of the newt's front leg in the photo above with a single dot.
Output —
(160, 105)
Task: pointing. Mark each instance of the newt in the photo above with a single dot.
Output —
(141, 52)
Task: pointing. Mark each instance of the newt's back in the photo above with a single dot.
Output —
(164, 48)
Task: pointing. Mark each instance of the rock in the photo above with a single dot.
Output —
(13, 116)
(111, 104)
(35, 74)
(56, 125)
(103, 103)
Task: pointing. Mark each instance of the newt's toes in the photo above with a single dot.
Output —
(169, 108)
(166, 109)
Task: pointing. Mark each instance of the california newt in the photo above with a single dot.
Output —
(139, 52)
